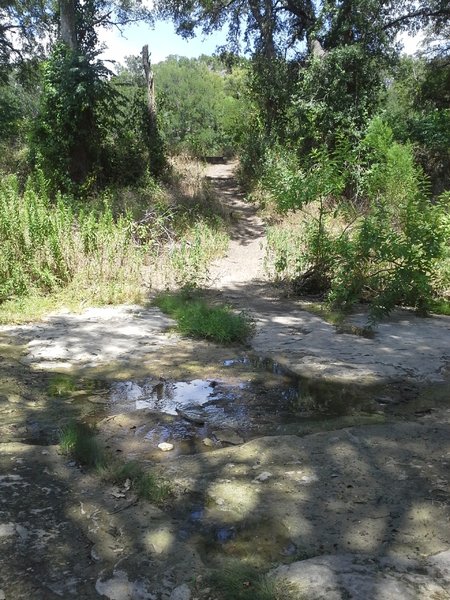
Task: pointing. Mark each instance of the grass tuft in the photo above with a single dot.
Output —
(78, 440)
(145, 485)
(197, 319)
(239, 581)
(441, 307)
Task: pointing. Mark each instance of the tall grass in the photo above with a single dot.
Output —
(107, 250)
(190, 257)
(46, 246)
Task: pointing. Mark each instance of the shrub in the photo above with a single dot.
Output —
(197, 319)
(386, 242)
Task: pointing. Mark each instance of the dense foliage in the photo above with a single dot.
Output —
(329, 121)
(199, 106)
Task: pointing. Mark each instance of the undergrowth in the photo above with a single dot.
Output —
(109, 249)
(47, 246)
(196, 318)
(368, 231)
(236, 580)
(78, 441)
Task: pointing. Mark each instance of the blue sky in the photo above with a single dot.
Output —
(163, 41)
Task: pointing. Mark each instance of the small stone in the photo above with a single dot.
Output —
(264, 476)
(182, 592)
(2, 595)
(229, 436)
(14, 398)
(165, 446)
(7, 529)
(207, 442)
(309, 478)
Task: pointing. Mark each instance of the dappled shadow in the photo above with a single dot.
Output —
(246, 227)
(373, 490)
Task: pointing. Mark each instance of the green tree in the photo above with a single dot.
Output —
(199, 107)
(78, 106)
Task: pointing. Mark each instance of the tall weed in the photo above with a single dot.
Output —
(191, 256)
(46, 246)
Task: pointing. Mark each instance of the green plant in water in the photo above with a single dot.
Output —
(61, 384)
(197, 319)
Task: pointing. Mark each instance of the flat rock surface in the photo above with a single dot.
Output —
(94, 337)
(65, 534)
(353, 577)
(372, 489)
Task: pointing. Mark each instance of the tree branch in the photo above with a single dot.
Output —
(422, 13)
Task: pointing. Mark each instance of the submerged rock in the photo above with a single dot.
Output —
(229, 436)
(182, 592)
(194, 415)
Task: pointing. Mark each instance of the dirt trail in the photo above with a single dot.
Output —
(244, 260)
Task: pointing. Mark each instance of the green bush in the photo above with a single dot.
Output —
(197, 319)
(386, 243)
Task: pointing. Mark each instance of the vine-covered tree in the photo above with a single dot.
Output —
(78, 106)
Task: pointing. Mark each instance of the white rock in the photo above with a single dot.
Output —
(116, 588)
(264, 476)
(7, 529)
(165, 446)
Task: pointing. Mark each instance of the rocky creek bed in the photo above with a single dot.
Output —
(347, 484)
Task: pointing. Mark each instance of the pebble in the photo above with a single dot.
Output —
(264, 476)
(165, 446)
(207, 442)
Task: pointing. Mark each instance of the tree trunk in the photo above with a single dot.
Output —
(150, 79)
(67, 24)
